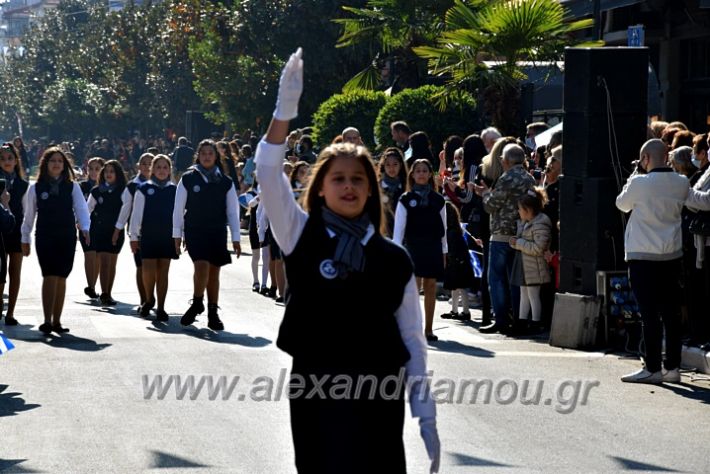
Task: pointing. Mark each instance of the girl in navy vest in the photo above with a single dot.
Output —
(57, 202)
(393, 182)
(11, 170)
(144, 164)
(110, 206)
(205, 202)
(91, 263)
(420, 222)
(151, 233)
(335, 256)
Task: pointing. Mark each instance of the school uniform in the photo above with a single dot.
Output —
(201, 214)
(7, 224)
(422, 230)
(330, 326)
(86, 187)
(109, 209)
(12, 239)
(459, 270)
(152, 220)
(55, 233)
(391, 192)
(132, 188)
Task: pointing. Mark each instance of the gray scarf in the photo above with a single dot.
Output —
(160, 183)
(423, 191)
(54, 185)
(349, 254)
(210, 174)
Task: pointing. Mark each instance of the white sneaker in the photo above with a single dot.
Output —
(643, 376)
(671, 376)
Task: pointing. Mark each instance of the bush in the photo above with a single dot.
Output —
(356, 109)
(420, 109)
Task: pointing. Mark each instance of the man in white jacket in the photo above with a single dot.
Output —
(653, 250)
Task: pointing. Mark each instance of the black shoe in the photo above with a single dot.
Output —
(255, 287)
(449, 315)
(10, 321)
(213, 321)
(486, 320)
(280, 299)
(463, 316)
(491, 328)
(272, 292)
(431, 338)
(162, 316)
(264, 291)
(106, 300)
(145, 309)
(46, 328)
(90, 292)
(59, 329)
(196, 307)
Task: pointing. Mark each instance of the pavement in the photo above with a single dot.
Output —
(78, 402)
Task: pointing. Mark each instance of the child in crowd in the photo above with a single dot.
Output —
(532, 241)
(151, 233)
(393, 182)
(458, 275)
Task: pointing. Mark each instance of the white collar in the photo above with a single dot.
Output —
(368, 235)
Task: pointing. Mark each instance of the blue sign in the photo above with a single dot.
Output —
(636, 36)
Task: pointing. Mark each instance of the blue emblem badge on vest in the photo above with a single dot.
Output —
(413, 203)
(196, 188)
(151, 191)
(328, 270)
(101, 200)
(44, 196)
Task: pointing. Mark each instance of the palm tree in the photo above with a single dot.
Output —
(389, 29)
(506, 33)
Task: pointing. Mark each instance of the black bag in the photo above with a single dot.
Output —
(700, 225)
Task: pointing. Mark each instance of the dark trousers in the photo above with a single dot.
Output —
(697, 292)
(655, 286)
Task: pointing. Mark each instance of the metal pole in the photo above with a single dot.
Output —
(597, 13)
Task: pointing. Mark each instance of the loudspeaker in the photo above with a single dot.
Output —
(586, 140)
(588, 143)
(625, 71)
(591, 231)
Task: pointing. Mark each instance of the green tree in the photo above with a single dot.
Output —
(390, 30)
(357, 109)
(506, 32)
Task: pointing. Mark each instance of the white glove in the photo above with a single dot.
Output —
(427, 429)
(290, 88)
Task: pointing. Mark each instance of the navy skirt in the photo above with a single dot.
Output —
(427, 257)
(207, 244)
(56, 253)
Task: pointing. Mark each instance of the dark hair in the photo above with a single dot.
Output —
(22, 143)
(534, 200)
(294, 172)
(682, 138)
(118, 169)
(421, 146)
(700, 143)
(453, 218)
(307, 140)
(182, 141)
(396, 153)
(67, 172)
(209, 142)
(153, 150)
(410, 175)
(312, 202)
(451, 144)
(19, 169)
(401, 126)
(473, 152)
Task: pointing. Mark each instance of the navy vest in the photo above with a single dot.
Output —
(55, 214)
(344, 324)
(17, 192)
(158, 210)
(206, 206)
(108, 206)
(423, 222)
(86, 188)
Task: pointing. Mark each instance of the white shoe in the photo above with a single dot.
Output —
(643, 376)
(671, 376)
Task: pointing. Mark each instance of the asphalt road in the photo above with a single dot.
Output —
(78, 402)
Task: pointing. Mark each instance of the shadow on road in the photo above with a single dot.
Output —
(458, 348)
(222, 337)
(692, 392)
(161, 460)
(631, 465)
(465, 460)
(11, 404)
(12, 465)
(24, 332)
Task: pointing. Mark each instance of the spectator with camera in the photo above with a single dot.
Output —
(653, 250)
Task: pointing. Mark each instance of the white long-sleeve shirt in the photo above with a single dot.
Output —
(123, 215)
(288, 219)
(134, 229)
(181, 200)
(400, 225)
(81, 211)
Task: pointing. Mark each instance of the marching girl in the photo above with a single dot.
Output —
(393, 182)
(205, 202)
(258, 244)
(109, 204)
(144, 164)
(91, 263)
(299, 178)
(151, 232)
(420, 223)
(57, 203)
(335, 252)
(12, 171)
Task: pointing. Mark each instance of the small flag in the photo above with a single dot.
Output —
(476, 262)
(5, 344)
